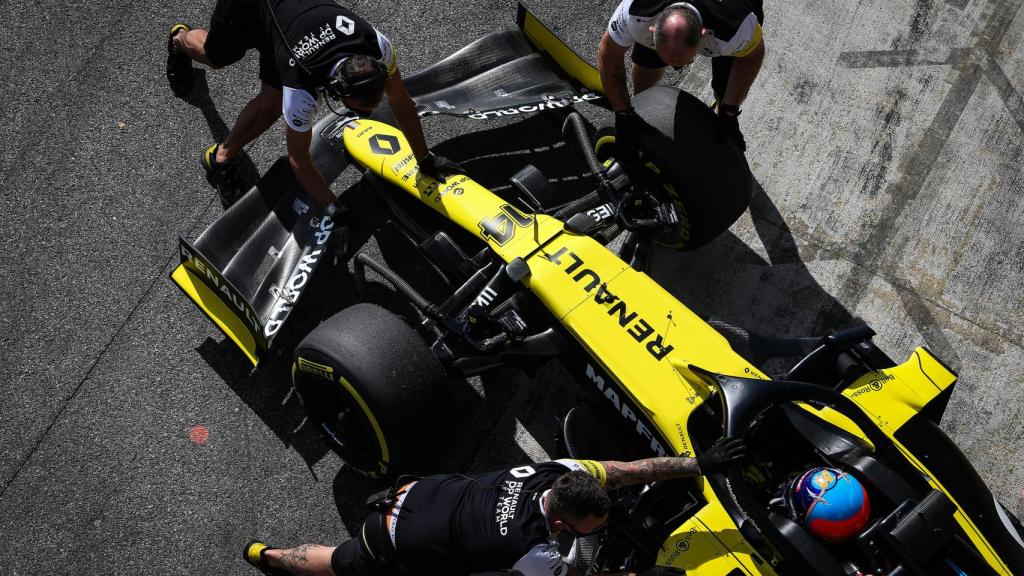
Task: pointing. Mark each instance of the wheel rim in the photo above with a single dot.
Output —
(345, 428)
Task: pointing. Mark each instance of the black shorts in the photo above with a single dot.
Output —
(721, 66)
(370, 553)
(234, 30)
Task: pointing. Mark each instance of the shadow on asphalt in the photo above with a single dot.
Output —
(487, 436)
(200, 98)
(267, 391)
(498, 154)
(783, 300)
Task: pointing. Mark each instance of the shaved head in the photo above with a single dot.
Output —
(677, 32)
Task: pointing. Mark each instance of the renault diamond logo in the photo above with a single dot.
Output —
(384, 144)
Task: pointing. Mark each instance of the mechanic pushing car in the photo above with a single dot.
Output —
(306, 47)
(665, 33)
(505, 520)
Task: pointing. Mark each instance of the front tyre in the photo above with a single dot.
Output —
(373, 390)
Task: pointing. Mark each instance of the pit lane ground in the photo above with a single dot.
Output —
(887, 138)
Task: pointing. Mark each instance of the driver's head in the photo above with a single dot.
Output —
(829, 503)
(358, 81)
(577, 504)
(677, 32)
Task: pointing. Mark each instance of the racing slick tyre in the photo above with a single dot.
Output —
(687, 159)
(373, 390)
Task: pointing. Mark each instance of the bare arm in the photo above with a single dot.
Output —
(621, 474)
(611, 64)
(741, 77)
(304, 169)
(405, 112)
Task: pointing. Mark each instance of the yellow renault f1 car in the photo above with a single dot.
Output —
(669, 384)
(531, 277)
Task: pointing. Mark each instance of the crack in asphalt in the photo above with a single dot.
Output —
(78, 387)
(970, 66)
(910, 297)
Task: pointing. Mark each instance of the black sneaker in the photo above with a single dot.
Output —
(254, 553)
(223, 176)
(179, 65)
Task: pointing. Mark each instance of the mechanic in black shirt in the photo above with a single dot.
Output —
(505, 520)
(306, 47)
(666, 33)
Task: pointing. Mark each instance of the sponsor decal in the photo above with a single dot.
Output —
(300, 207)
(709, 44)
(384, 144)
(284, 294)
(508, 502)
(550, 105)
(486, 297)
(312, 42)
(397, 168)
(602, 212)
(625, 410)
(878, 383)
(502, 227)
(873, 386)
(288, 294)
(522, 472)
(228, 294)
(681, 545)
(684, 439)
(318, 370)
(453, 185)
(628, 320)
(345, 25)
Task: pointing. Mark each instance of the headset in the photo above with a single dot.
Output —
(337, 87)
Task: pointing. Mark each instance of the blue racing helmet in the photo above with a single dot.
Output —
(829, 503)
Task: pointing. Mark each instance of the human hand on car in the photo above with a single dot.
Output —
(721, 454)
(439, 167)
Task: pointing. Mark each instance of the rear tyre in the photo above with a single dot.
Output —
(686, 159)
(374, 391)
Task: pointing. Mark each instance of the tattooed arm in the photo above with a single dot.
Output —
(648, 470)
(721, 454)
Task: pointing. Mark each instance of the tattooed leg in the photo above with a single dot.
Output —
(304, 560)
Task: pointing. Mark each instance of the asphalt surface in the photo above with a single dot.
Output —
(887, 139)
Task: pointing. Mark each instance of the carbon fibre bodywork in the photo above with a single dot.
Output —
(675, 383)
(668, 382)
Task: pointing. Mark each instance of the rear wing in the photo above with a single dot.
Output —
(567, 60)
(249, 268)
(508, 72)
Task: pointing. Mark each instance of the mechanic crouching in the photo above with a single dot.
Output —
(307, 48)
(505, 520)
(664, 33)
